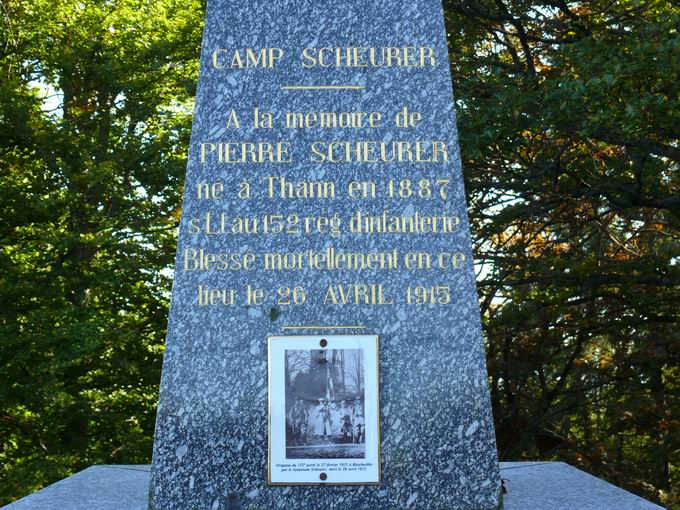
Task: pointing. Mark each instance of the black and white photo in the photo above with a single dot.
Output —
(325, 404)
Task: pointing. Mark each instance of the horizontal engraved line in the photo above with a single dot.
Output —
(323, 87)
(324, 327)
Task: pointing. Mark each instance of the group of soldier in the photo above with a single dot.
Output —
(327, 420)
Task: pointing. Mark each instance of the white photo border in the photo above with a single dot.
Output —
(365, 471)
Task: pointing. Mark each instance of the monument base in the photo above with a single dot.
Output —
(530, 485)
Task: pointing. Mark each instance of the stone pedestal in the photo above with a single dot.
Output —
(530, 485)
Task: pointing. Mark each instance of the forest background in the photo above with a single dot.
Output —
(569, 123)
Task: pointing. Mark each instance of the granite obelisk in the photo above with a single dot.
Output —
(324, 196)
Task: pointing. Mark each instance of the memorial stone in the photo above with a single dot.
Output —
(324, 326)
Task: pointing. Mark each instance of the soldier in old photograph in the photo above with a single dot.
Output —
(298, 419)
(317, 421)
(327, 421)
(358, 422)
(336, 419)
(346, 411)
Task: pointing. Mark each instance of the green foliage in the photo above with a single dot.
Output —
(569, 120)
(568, 113)
(90, 178)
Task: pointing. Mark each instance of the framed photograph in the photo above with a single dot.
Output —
(324, 410)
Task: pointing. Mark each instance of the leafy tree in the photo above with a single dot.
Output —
(569, 120)
(95, 103)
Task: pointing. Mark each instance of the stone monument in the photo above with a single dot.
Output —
(324, 347)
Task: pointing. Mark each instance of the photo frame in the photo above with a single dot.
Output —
(324, 410)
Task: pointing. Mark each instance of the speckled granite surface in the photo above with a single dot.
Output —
(438, 448)
(530, 485)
